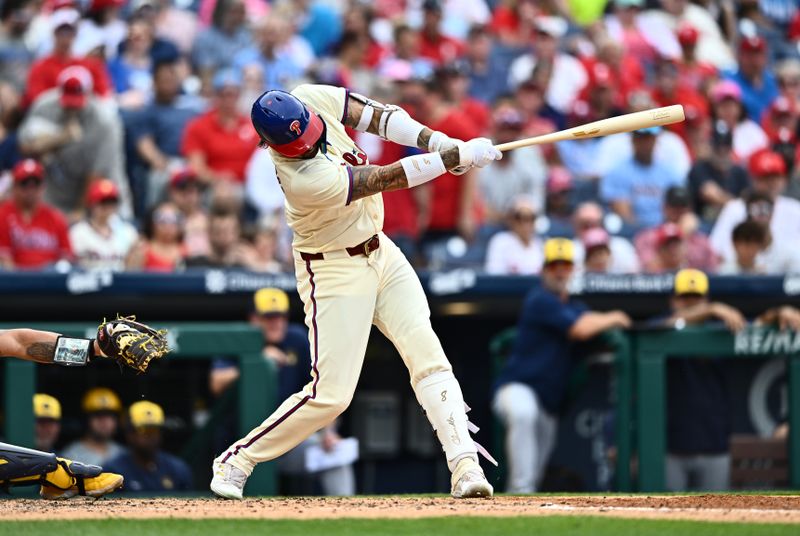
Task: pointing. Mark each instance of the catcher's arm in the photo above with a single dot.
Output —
(32, 345)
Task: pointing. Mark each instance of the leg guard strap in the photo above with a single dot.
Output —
(19, 466)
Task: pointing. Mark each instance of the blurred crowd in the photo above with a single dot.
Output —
(125, 140)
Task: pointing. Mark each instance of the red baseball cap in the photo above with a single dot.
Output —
(61, 4)
(600, 76)
(26, 169)
(182, 177)
(754, 43)
(508, 118)
(594, 238)
(102, 190)
(783, 106)
(96, 5)
(766, 162)
(76, 84)
(668, 231)
(687, 34)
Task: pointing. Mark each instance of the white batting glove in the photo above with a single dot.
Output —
(477, 152)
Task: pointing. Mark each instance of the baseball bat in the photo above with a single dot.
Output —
(605, 127)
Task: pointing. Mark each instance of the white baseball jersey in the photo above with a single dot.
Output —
(344, 296)
(319, 205)
(95, 251)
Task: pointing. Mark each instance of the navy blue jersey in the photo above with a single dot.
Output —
(168, 474)
(297, 373)
(698, 412)
(541, 356)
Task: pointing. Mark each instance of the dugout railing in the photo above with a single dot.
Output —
(642, 373)
(200, 340)
(639, 390)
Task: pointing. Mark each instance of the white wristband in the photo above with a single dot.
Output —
(422, 168)
(400, 127)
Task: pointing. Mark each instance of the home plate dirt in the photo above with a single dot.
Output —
(732, 508)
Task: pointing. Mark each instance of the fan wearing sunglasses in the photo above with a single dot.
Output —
(33, 234)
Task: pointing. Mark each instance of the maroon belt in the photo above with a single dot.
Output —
(364, 248)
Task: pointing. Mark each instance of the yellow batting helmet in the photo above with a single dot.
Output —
(46, 407)
(145, 413)
(691, 281)
(269, 301)
(559, 250)
(101, 399)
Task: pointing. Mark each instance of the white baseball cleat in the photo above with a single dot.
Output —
(228, 481)
(469, 481)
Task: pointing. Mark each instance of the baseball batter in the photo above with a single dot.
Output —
(351, 276)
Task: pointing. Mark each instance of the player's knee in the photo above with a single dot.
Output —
(522, 415)
(334, 404)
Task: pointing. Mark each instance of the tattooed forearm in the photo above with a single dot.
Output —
(371, 180)
(424, 139)
(450, 158)
(41, 352)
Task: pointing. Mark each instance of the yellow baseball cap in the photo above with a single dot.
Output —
(268, 301)
(46, 407)
(101, 399)
(559, 250)
(691, 281)
(145, 413)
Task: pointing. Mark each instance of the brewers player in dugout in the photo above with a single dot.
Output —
(350, 275)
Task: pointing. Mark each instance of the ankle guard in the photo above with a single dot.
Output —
(440, 396)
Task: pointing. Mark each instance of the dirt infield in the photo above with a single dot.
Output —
(731, 508)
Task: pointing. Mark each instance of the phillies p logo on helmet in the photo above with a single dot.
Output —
(295, 127)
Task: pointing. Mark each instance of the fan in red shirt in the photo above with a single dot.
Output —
(691, 72)
(33, 234)
(44, 72)
(454, 207)
(614, 66)
(514, 24)
(668, 91)
(434, 45)
(454, 78)
(219, 143)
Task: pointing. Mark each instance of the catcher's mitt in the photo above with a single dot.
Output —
(131, 343)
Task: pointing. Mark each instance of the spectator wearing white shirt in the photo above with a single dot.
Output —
(588, 218)
(567, 77)
(773, 257)
(522, 172)
(103, 240)
(749, 240)
(517, 250)
(768, 171)
(711, 45)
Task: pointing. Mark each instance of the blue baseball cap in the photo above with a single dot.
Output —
(227, 78)
(650, 131)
